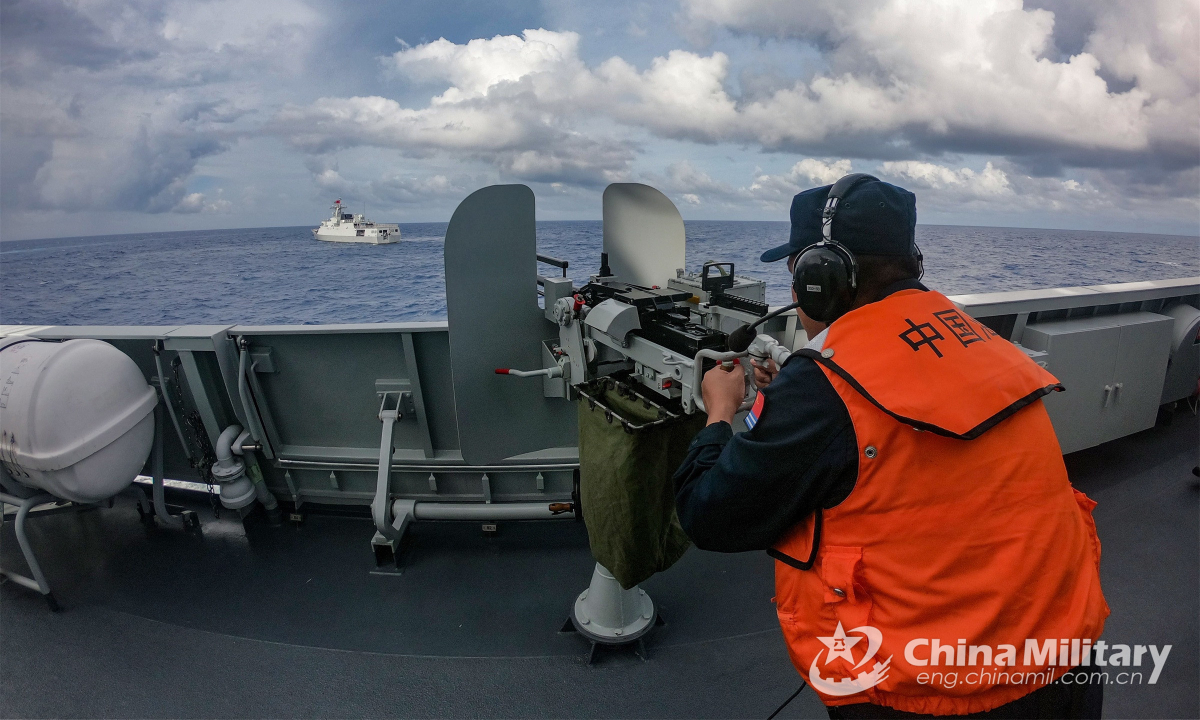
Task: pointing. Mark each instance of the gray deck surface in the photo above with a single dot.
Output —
(290, 622)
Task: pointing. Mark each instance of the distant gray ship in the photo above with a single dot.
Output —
(344, 226)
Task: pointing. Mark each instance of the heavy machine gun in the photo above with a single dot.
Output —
(662, 339)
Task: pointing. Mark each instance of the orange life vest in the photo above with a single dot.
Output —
(962, 526)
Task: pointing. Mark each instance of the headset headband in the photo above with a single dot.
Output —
(836, 193)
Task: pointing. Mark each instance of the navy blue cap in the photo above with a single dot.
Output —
(874, 218)
(806, 223)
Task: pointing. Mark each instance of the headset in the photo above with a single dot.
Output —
(825, 275)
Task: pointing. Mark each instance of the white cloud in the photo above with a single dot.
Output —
(681, 95)
(777, 190)
(515, 102)
(474, 68)
(992, 192)
(110, 106)
(903, 79)
(688, 183)
(816, 172)
(118, 106)
(198, 202)
(987, 183)
(192, 202)
(684, 175)
(402, 190)
(108, 159)
(1009, 192)
(390, 190)
(259, 29)
(968, 76)
(1154, 45)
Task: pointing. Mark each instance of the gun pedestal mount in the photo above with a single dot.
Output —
(641, 318)
(609, 615)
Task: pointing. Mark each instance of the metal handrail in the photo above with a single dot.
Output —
(555, 262)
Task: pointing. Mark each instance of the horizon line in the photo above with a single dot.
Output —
(596, 220)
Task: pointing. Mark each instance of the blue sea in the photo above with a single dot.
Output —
(283, 275)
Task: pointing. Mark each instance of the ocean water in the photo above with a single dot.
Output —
(283, 275)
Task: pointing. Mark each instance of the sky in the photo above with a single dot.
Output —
(138, 116)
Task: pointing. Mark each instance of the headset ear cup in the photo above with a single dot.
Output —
(822, 283)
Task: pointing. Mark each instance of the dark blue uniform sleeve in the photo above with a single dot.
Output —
(738, 492)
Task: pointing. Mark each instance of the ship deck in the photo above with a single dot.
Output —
(253, 621)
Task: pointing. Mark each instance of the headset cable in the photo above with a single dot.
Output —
(785, 702)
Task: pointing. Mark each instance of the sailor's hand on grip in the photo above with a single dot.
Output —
(723, 390)
(764, 371)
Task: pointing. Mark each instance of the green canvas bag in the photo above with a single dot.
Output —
(629, 447)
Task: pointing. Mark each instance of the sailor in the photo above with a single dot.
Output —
(931, 556)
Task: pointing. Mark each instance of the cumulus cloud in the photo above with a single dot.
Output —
(474, 68)
(902, 82)
(402, 190)
(199, 202)
(390, 190)
(109, 160)
(509, 103)
(990, 182)
(1156, 46)
(903, 78)
(191, 203)
(997, 190)
(988, 104)
(1012, 192)
(527, 104)
(773, 192)
(684, 177)
(976, 77)
(110, 106)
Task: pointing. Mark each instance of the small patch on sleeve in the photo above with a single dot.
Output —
(756, 410)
